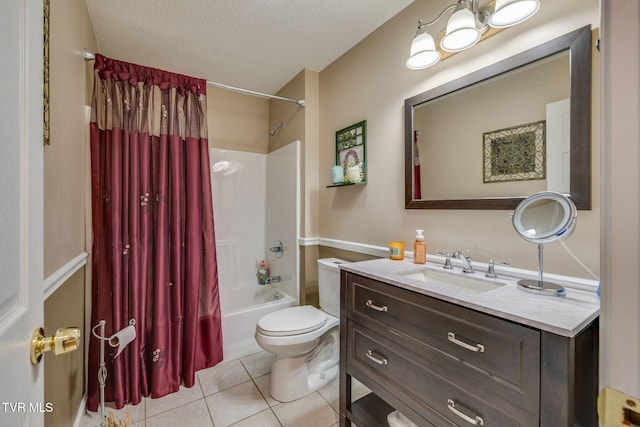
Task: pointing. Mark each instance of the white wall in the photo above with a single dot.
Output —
(255, 204)
(239, 209)
(283, 215)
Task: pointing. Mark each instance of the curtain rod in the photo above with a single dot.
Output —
(89, 56)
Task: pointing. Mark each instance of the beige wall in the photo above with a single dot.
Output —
(620, 317)
(301, 124)
(451, 130)
(64, 374)
(65, 200)
(371, 82)
(64, 159)
(237, 121)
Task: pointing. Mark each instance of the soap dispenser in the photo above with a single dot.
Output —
(419, 248)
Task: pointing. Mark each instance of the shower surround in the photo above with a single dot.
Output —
(256, 205)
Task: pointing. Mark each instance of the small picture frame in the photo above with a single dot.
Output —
(515, 154)
(351, 147)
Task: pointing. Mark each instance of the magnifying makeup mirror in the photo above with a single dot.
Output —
(544, 218)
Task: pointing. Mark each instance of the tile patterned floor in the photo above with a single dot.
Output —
(233, 393)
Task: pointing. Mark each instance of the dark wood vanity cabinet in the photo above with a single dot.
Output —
(441, 364)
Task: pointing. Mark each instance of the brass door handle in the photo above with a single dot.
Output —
(65, 340)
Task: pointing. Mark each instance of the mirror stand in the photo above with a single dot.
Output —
(539, 286)
(544, 217)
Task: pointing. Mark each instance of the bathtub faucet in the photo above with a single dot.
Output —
(272, 279)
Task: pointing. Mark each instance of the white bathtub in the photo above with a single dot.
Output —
(241, 309)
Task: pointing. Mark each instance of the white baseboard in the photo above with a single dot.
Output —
(81, 410)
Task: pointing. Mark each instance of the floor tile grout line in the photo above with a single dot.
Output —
(209, 411)
(180, 389)
(252, 380)
(205, 400)
(266, 399)
(327, 401)
(143, 420)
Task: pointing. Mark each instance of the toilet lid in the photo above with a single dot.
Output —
(292, 321)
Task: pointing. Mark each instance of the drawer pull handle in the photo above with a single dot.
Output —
(378, 360)
(370, 304)
(478, 348)
(477, 421)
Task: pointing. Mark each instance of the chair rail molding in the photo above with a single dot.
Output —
(344, 244)
(54, 281)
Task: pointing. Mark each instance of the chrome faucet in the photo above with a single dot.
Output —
(466, 261)
(272, 279)
(491, 271)
(447, 260)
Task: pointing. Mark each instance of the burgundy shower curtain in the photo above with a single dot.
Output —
(417, 181)
(154, 258)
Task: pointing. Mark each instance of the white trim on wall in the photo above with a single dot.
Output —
(54, 281)
(382, 252)
(345, 245)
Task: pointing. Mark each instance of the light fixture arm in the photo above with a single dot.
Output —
(421, 24)
(465, 27)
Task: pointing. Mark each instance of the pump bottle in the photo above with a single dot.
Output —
(262, 273)
(419, 248)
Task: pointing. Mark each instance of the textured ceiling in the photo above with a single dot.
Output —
(253, 44)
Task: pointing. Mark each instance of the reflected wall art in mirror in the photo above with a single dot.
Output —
(517, 127)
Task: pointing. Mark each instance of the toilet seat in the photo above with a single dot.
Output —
(292, 321)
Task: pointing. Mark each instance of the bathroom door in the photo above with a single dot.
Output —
(21, 211)
(558, 146)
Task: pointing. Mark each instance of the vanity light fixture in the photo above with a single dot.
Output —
(465, 26)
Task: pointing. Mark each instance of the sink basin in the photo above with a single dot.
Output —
(469, 283)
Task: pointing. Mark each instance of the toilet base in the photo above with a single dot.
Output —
(291, 378)
(296, 377)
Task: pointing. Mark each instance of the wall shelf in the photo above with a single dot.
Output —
(347, 184)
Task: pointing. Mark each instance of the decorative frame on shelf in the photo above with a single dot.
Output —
(515, 154)
(351, 151)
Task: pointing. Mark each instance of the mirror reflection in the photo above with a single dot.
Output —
(484, 139)
(518, 127)
(543, 218)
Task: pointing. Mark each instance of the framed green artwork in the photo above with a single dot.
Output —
(351, 152)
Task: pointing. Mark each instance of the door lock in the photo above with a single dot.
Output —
(65, 340)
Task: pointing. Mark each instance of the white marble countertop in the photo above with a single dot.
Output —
(566, 315)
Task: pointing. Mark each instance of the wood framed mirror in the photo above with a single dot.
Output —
(472, 157)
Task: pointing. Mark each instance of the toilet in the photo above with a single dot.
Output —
(304, 339)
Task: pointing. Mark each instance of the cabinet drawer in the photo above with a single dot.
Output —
(443, 402)
(506, 354)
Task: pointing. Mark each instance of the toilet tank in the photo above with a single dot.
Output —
(329, 285)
